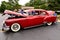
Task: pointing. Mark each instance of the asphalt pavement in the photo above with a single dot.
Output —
(38, 33)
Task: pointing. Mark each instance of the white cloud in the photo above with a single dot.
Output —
(22, 2)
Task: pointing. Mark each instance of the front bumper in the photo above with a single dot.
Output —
(5, 27)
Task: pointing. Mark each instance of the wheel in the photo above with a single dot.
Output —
(49, 23)
(15, 27)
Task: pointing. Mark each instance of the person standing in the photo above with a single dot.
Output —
(22, 11)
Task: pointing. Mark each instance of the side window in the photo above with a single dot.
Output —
(43, 13)
(36, 12)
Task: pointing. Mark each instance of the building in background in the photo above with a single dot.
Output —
(25, 7)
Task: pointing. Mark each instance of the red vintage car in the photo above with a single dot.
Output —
(40, 17)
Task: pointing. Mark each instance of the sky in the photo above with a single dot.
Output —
(22, 2)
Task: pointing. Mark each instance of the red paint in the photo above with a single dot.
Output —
(32, 20)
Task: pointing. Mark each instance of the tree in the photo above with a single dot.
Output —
(15, 4)
(11, 5)
(54, 4)
(3, 7)
(36, 3)
(45, 4)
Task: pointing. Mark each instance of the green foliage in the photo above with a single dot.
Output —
(43, 4)
(35, 3)
(3, 7)
(11, 5)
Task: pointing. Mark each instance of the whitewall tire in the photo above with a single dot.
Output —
(49, 23)
(15, 27)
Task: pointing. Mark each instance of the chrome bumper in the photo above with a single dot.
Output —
(5, 27)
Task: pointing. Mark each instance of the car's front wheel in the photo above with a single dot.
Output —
(15, 27)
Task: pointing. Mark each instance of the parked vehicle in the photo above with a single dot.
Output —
(40, 17)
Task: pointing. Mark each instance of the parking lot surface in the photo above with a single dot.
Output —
(38, 33)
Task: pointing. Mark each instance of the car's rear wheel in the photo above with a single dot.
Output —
(49, 23)
(15, 27)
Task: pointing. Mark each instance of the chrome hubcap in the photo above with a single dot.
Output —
(50, 23)
(15, 27)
